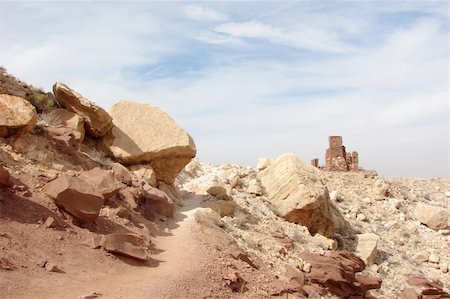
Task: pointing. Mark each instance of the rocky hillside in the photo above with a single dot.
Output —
(113, 204)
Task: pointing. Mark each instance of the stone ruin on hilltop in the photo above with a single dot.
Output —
(336, 158)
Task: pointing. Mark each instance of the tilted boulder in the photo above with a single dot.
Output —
(75, 196)
(366, 248)
(103, 181)
(297, 194)
(143, 134)
(97, 121)
(337, 272)
(17, 116)
(125, 244)
(434, 217)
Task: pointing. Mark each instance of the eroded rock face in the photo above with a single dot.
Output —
(298, 195)
(97, 120)
(17, 116)
(422, 288)
(434, 217)
(125, 244)
(72, 122)
(143, 134)
(337, 271)
(76, 197)
(103, 181)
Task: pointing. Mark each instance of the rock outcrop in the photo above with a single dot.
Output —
(143, 134)
(17, 116)
(64, 119)
(297, 194)
(125, 244)
(337, 272)
(75, 196)
(422, 288)
(434, 217)
(97, 121)
(102, 180)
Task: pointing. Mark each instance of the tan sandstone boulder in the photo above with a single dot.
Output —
(434, 217)
(17, 116)
(125, 244)
(144, 172)
(97, 120)
(75, 196)
(297, 194)
(366, 247)
(143, 134)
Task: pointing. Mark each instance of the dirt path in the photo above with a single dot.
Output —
(180, 258)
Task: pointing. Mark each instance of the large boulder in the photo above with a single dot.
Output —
(157, 201)
(75, 196)
(97, 121)
(17, 116)
(338, 272)
(125, 244)
(103, 181)
(143, 134)
(434, 217)
(297, 194)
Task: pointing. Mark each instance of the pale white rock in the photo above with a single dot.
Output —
(367, 200)
(361, 217)
(443, 267)
(263, 163)
(306, 267)
(325, 242)
(366, 247)
(144, 172)
(334, 195)
(447, 194)
(143, 134)
(434, 217)
(254, 187)
(297, 193)
(433, 258)
(233, 179)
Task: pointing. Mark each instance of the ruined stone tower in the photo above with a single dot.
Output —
(337, 159)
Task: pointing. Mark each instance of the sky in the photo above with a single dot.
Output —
(255, 79)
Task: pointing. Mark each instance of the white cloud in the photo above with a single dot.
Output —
(250, 90)
(201, 13)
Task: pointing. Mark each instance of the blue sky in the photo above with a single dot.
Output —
(256, 79)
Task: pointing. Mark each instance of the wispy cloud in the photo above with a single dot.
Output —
(256, 79)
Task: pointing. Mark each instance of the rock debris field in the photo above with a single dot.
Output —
(114, 204)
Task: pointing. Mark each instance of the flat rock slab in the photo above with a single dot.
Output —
(75, 196)
(125, 244)
(17, 116)
(97, 121)
(143, 134)
(103, 181)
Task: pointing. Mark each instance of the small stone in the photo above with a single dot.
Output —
(361, 217)
(433, 258)
(92, 296)
(50, 222)
(444, 232)
(334, 196)
(367, 200)
(443, 267)
(217, 191)
(42, 263)
(51, 267)
(447, 194)
(306, 267)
